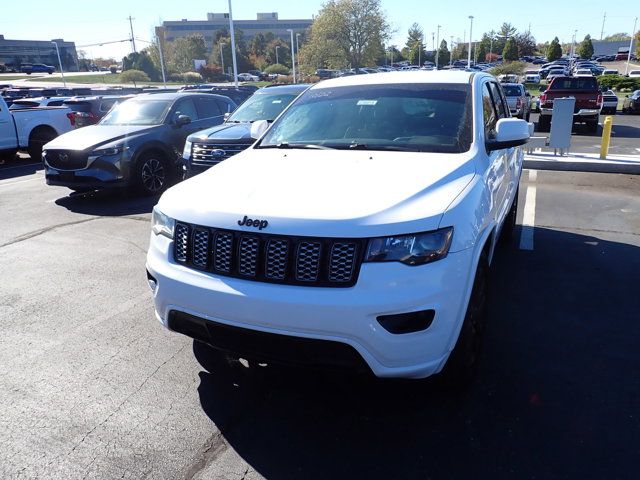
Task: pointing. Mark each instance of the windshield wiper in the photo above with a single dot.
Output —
(308, 146)
(364, 146)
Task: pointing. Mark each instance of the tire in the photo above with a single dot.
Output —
(528, 115)
(592, 126)
(37, 139)
(462, 366)
(152, 173)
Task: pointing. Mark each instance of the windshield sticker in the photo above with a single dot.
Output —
(367, 102)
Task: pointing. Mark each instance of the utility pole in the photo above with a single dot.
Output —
(133, 41)
(222, 56)
(293, 55)
(603, 20)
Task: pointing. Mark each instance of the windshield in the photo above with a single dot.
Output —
(138, 112)
(262, 107)
(407, 117)
(572, 83)
(512, 91)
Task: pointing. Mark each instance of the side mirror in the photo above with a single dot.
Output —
(226, 116)
(258, 128)
(510, 132)
(183, 120)
(542, 89)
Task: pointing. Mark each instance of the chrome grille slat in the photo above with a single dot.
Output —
(202, 153)
(326, 262)
(342, 261)
(277, 259)
(181, 242)
(248, 256)
(200, 248)
(223, 250)
(308, 261)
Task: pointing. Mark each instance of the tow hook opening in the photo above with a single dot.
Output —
(409, 322)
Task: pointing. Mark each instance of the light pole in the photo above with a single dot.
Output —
(60, 63)
(277, 47)
(164, 79)
(470, 36)
(298, 49)
(451, 51)
(491, 48)
(633, 33)
(293, 55)
(222, 57)
(438, 46)
(233, 47)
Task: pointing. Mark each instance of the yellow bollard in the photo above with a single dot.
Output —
(606, 137)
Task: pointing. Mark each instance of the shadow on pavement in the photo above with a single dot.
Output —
(556, 397)
(107, 203)
(624, 131)
(18, 167)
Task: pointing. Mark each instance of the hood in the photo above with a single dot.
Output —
(323, 192)
(94, 136)
(224, 132)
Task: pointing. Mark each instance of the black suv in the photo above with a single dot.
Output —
(209, 147)
(89, 110)
(137, 144)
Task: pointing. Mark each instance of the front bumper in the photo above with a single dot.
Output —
(100, 172)
(343, 315)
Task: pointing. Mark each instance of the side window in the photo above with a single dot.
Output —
(500, 102)
(106, 106)
(207, 107)
(489, 113)
(224, 106)
(186, 107)
(55, 103)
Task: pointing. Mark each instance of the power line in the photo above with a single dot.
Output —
(103, 43)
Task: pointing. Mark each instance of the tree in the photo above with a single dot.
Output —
(510, 52)
(142, 62)
(637, 40)
(585, 49)
(554, 51)
(184, 50)
(480, 53)
(354, 30)
(443, 53)
(414, 51)
(526, 44)
(617, 37)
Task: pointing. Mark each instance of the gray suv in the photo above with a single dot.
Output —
(518, 99)
(137, 144)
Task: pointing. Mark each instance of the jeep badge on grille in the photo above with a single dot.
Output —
(248, 222)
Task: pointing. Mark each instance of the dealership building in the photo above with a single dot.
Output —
(19, 52)
(264, 23)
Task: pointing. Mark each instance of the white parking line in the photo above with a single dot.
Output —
(529, 215)
(7, 184)
(2, 169)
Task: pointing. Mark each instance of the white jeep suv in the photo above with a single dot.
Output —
(356, 232)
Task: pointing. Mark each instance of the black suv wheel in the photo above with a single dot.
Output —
(153, 174)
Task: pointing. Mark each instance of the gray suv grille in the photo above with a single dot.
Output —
(212, 154)
(325, 262)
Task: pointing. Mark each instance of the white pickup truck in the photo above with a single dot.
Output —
(358, 231)
(30, 128)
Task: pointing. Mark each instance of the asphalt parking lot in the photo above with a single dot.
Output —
(93, 387)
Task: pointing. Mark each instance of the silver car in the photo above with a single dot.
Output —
(518, 99)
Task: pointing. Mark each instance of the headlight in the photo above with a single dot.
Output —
(162, 224)
(109, 151)
(186, 153)
(411, 250)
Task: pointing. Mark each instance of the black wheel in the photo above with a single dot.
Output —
(528, 115)
(592, 126)
(506, 235)
(37, 140)
(153, 174)
(462, 366)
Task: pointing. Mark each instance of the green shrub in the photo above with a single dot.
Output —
(514, 68)
(133, 76)
(212, 73)
(277, 68)
(187, 77)
(618, 83)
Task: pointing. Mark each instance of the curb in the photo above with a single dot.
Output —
(577, 166)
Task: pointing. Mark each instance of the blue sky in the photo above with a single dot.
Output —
(103, 21)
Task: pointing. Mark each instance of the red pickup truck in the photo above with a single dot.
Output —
(588, 101)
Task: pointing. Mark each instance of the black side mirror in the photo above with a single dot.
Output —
(542, 89)
(183, 120)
